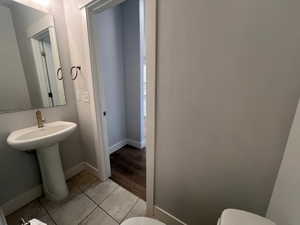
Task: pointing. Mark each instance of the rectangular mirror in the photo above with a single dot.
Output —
(30, 69)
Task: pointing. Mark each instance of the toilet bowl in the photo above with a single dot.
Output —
(228, 217)
(142, 221)
(238, 217)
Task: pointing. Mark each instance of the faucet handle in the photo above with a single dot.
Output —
(39, 114)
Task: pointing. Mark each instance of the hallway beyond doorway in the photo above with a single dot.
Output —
(128, 169)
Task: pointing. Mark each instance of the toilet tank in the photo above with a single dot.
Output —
(239, 217)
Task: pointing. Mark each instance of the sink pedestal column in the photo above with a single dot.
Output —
(54, 183)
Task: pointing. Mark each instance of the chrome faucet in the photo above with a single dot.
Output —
(40, 119)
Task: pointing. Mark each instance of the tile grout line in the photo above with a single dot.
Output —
(131, 209)
(104, 198)
(109, 214)
(87, 215)
(48, 213)
(82, 191)
(98, 205)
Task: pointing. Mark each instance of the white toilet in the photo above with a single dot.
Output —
(238, 217)
(228, 217)
(142, 221)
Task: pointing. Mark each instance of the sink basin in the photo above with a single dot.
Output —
(34, 137)
(45, 141)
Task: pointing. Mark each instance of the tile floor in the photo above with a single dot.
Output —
(90, 202)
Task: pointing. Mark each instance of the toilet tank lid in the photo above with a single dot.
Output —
(238, 217)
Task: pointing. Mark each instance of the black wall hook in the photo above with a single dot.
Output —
(77, 70)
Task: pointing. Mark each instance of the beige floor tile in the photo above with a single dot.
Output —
(30, 211)
(51, 206)
(138, 210)
(46, 219)
(119, 203)
(84, 180)
(98, 217)
(73, 211)
(101, 191)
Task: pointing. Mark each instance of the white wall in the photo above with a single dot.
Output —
(131, 51)
(13, 86)
(117, 48)
(107, 28)
(19, 170)
(227, 88)
(285, 201)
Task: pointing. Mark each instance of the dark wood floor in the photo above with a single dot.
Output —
(128, 169)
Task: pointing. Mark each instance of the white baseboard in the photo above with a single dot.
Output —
(136, 144)
(124, 142)
(117, 146)
(80, 167)
(92, 169)
(74, 170)
(143, 143)
(32, 194)
(21, 200)
(166, 217)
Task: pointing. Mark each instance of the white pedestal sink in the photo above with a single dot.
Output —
(45, 140)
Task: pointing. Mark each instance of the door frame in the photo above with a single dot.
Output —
(101, 140)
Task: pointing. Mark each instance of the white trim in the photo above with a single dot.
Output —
(101, 4)
(151, 31)
(92, 169)
(100, 136)
(166, 217)
(40, 26)
(80, 167)
(74, 170)
(143, 143)
(117, 146)
(136, 144)
(142, 62)
(121, 144)
(105, 4)
(21, 200)
(40, 71)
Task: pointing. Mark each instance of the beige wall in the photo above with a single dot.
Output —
(82, 83)
(227, 87)
(19, 170)
(285, 201)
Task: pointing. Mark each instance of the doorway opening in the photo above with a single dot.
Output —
(120, 66)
